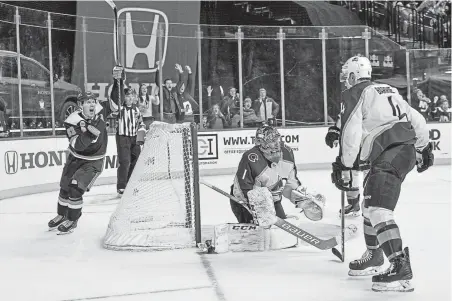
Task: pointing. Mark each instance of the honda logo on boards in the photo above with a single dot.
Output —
(156, 17)
(11, 162)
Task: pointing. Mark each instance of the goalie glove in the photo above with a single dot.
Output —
(311, 203)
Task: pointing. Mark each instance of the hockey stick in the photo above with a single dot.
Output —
(286, 226)
(341, 255)
(116, 51)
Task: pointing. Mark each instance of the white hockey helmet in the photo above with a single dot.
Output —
(358, 65)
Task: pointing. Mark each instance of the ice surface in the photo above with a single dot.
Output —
(39, 265)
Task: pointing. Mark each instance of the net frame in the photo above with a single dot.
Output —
(189, 231)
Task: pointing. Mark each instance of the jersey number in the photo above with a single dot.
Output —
(395, 109)
(71, 132)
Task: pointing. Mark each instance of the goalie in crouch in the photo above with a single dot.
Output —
(270, 163)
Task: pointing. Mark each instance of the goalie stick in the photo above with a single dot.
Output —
(286, 226)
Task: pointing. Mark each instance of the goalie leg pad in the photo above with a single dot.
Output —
(250, 238)
(242, 215)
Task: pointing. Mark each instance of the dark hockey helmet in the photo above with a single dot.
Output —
(84, 96)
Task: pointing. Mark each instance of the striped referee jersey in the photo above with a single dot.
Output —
(129, 121)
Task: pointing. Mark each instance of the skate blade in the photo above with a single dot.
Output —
(65, 233)
(401, 286)
(351, 215)
(367, 272)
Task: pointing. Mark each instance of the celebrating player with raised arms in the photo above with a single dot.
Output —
(270, 163)
(86, 130)
(378, 127)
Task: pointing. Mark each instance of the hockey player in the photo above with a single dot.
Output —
(353, 196)
(380, 128)
(270, 163)
(86, 130)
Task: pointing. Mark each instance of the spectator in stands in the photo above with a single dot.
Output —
(265, 107)
(443, 112)
(424, 107)
(250, 118)
(173, 110)
(230, 105)
(145, 103)
(216, 120)
(186, 97)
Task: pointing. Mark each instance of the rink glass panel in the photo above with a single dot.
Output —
(35, 76)
(9, 94)
(303, 76)
(68, 66)
(219, 67)
(260, 57)
(429, 82)
(341, 43)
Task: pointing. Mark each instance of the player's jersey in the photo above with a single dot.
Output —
(83, 145)
(375, 117)
(256, 171)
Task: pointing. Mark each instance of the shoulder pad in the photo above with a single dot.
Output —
(255, 158)
(74, 118)
(287, 152)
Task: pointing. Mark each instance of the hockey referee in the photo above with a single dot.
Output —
(129, 121)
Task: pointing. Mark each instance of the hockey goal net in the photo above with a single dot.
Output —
(159, 209)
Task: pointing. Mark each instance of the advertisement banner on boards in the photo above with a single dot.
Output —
(40, 161)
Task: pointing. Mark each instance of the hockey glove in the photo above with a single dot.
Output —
(425, 158)
(332, 136)
(93, 130)
(118, 73)
(277, 194)
(311, 203)
(337, 176)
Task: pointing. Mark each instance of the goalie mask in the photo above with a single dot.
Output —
(359, 66)
(268, 139)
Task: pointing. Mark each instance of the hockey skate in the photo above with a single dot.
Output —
(67, 227)
(397, 277)
(56, 221)
(352, 209)
(371, 263)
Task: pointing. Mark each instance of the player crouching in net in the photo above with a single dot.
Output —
(86, 130)
(379, 127)
(271, 164)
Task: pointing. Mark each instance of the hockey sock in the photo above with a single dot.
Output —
(370, 235)
(75, 202)
(62, 203)
(388, 235)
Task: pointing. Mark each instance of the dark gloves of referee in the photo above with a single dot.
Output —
(332, 136)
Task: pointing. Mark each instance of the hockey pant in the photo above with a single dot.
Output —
(381, 192)
(78, 176)
(244, 217)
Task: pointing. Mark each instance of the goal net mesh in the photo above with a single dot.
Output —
(157, 209)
